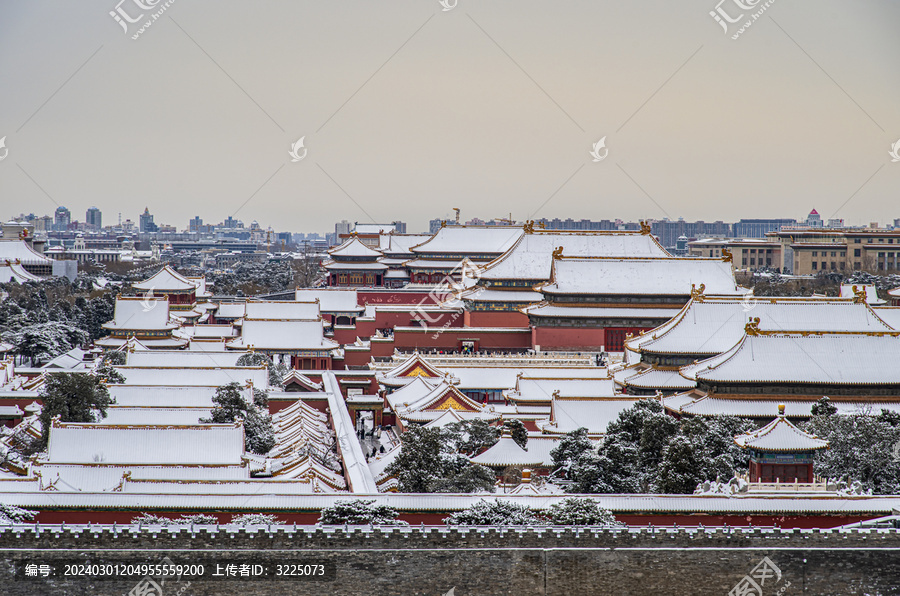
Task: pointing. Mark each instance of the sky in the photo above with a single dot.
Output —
(408, 108)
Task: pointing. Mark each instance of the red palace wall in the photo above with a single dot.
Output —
(450, 338)
(100, 516)
(388, 296)
(568, 338)
(483, 318)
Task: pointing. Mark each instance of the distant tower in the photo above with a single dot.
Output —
(814, 220)
(93, 218)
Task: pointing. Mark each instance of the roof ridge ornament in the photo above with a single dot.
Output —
(727, 255)
(529, 226)
(558, 252)
(859, 295)
(752, 327)
(697, 293)
(646, 229)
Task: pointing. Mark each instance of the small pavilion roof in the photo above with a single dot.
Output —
(354, 247)
(780, 436)
(165, 279)
(506, 452)
(136, 313)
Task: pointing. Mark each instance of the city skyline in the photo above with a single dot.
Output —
(464, 108)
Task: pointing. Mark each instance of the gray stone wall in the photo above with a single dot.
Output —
(431, 561)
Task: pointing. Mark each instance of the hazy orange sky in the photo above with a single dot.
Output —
(409, 110)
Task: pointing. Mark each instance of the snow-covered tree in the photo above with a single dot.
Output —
(276, 371)
(517, 431)
(570, 448)
(429, 461)
(230, 404)
(359, 512)
(861, 448)
(823, 407)
(74, 397)
(495, 513)
(41, 342)
(10, 514)
(256, 519)
(156, 520)
(580, 512)
(646, 450)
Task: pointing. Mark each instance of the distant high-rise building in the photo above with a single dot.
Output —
(93, 218)
(758, 228)
(146, 222)
(400, 227)
(61, 219)
(195, 224)
(232, 223)
(342, 227)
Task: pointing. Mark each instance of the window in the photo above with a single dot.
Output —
(856, 241)
(833, 265)
(815, 266)
(843, 265)
(752, 261)
(856, 252)
(815, 253)
(833, 253)
(824, 264)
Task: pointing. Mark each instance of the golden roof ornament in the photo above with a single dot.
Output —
(646, 229)
(697, 293)
(542, 225)
(529, 226)
(752, 327)
(557, 252)
(443, 223)
(726, 255)
(859, 295)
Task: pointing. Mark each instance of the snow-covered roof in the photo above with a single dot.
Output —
(15, 250)
(475, 240)
(712, 325)
(135, 313)
(182, 359)
(545, 309)
(353, 247)
(531, 258)
(780, 436)
(400, 244)
(90, 443)
(506, 452)
(571, 413)
(889, 314)
(870, 290)
(166, 279)
(281, 309)
(355, 466)
(483, 295)
(541, 389)
(894, 293)
(697, 403)
(163, 396)
(829, 359)
(231, 310)
(282, 335)
(213, 376)
(331, 300)
(14, 271)
(669, 277)
(207, 331)
(661, 379)
(119, 414)
(354, 265)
